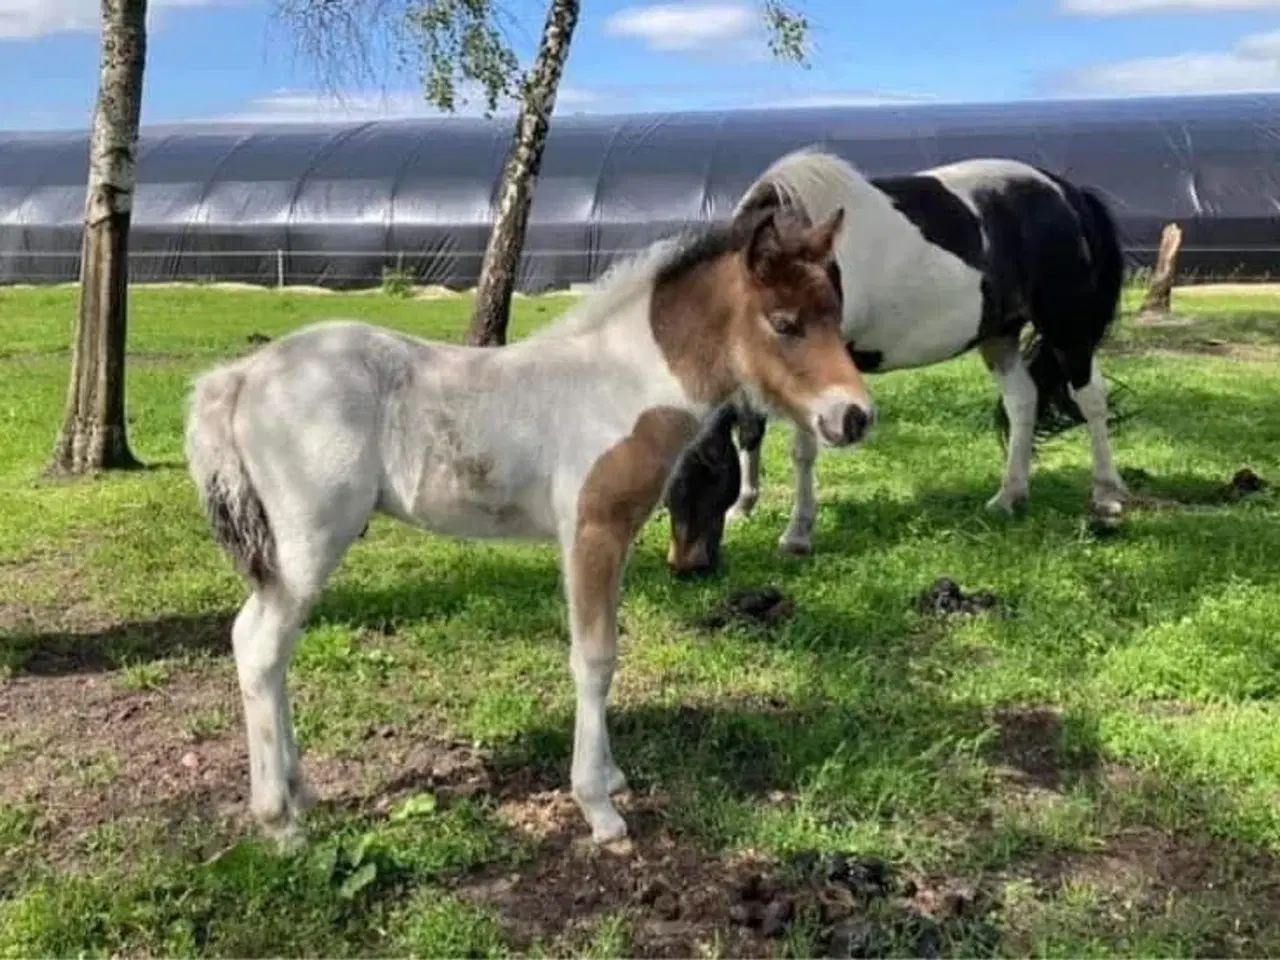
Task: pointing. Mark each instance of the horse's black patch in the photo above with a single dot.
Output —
(867, 361)
(941, 217)
(833, 274)
(751, 427)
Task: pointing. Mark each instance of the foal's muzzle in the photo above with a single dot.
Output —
(841, 424)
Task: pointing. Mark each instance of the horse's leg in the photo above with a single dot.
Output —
(1018, 393)
(798, 537)
(595, 555)
(263, 639)
(751, 428)
(1088, 390)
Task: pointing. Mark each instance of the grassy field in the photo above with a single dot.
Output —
(1091, 768)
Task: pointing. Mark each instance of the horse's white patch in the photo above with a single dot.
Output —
(905, 298)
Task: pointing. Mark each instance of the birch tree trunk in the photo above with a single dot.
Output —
(506, 239)
(93, 428)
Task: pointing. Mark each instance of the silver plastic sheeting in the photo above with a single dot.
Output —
(335, 204)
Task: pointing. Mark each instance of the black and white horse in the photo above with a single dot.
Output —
(931, 266)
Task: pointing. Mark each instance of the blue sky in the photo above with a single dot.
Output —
(228, 59)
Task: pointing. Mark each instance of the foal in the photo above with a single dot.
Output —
(570, 435)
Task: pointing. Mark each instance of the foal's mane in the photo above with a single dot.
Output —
(663, 261)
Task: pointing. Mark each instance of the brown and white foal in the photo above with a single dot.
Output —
(570, 434)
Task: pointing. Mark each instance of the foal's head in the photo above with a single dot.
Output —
(761, 314)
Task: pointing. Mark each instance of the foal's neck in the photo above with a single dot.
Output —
(691, 315)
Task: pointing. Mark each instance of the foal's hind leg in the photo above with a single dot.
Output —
(1018, 393)
(263, 638)
(1090, 393)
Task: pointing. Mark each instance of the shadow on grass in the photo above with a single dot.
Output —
(61, 653)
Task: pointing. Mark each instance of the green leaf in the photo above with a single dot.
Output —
(358, 881)
(420, 805)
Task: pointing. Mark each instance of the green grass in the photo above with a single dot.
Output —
(1104, 757)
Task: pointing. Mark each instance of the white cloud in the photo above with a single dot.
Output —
(296, 106)
(1110, 8)
(1252, 65)
(29, 19)
(686, 26)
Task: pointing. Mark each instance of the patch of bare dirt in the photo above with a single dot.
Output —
(83, 749)
(1222, 898)
(683, 901)
(1030, 747)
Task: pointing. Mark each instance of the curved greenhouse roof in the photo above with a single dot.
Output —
(333, 204)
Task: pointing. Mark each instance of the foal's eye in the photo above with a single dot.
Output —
(785, 325)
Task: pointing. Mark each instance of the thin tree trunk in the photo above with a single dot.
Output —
(93, 428)
(506, 239)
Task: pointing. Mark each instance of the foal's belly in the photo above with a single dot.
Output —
(466, 499)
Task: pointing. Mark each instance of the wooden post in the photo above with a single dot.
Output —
(1157, 303)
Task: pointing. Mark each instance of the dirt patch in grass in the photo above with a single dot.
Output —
(86, 749)
(1214, 897)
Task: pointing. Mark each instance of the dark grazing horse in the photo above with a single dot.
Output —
(931, 266)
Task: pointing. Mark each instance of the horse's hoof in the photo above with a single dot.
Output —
(615, 781)
(1108, 508)
(1010, 504)
(793, 547)
(1109, 499)
(303, 796)
(739, 512)
(607, 826)
(287, 839)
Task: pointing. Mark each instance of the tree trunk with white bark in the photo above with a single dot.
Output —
(506, 239)
(93, 435)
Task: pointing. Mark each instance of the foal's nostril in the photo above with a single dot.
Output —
(856, 421)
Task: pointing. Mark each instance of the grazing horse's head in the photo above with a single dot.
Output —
(702, 490)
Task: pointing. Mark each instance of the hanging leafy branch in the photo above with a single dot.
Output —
(454, 46)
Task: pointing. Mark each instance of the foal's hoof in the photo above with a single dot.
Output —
(287, 839)
(739, 511)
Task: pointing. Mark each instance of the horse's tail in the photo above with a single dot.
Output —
(227, 494)
(1056, 411)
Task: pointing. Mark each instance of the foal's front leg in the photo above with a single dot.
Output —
(798, 537)
(595, 557)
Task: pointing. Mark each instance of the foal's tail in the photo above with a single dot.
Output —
(230, 501)
(1055, 410)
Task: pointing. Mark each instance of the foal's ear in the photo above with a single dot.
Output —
(822, 238)
(765, 245)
